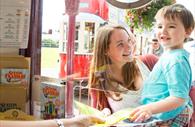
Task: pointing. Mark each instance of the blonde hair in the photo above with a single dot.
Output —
(99, 75)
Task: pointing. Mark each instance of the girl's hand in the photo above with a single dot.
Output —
(140, 114)
(87, 120)
(106, 112)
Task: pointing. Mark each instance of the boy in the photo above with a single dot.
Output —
(166, 92)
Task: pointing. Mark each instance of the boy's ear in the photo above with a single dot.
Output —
(189, 31)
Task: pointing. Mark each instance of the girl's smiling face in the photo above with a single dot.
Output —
(171, 33)
(121, 46)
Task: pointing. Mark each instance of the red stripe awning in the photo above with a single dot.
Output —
(97, 7)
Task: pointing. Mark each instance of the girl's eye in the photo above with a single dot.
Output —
(120, 44)
(131, 42)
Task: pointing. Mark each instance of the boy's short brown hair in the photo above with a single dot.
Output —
(177, 11)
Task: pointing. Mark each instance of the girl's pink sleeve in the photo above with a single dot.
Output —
(149, 60)
(93, 98)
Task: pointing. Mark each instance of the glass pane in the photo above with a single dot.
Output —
(52, 16)
(55, 38)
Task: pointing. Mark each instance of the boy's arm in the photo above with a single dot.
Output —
(144, 112)
(165, 105)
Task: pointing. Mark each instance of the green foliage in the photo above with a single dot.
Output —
(143, 18)
(50, 43)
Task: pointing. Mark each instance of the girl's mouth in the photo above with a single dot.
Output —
(126, 54)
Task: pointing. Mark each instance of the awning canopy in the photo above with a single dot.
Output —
(96, 7)
(129, 4)
(86, 17)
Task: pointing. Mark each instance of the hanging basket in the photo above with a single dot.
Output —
(143, 18)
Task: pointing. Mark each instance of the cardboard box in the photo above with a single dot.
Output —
(36, 93)
(14, 62)
(15, 76)
(13, 97)
(52, 100)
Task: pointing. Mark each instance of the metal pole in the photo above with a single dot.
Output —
(72, 10)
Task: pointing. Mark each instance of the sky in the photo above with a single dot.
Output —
(52, 14)
(190, 4)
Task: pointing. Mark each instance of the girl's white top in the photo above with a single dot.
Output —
(130, 98)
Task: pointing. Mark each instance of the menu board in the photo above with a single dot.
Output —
(14, 23)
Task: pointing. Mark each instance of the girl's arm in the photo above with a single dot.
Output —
(80, 121)
(41, 123)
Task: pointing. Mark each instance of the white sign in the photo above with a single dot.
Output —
(14, 23)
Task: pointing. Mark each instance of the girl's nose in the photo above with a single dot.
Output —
(128, 46)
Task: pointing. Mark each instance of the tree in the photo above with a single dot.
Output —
(50, 43)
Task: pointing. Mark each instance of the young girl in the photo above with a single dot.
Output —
(116, 76)
(166, 91)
